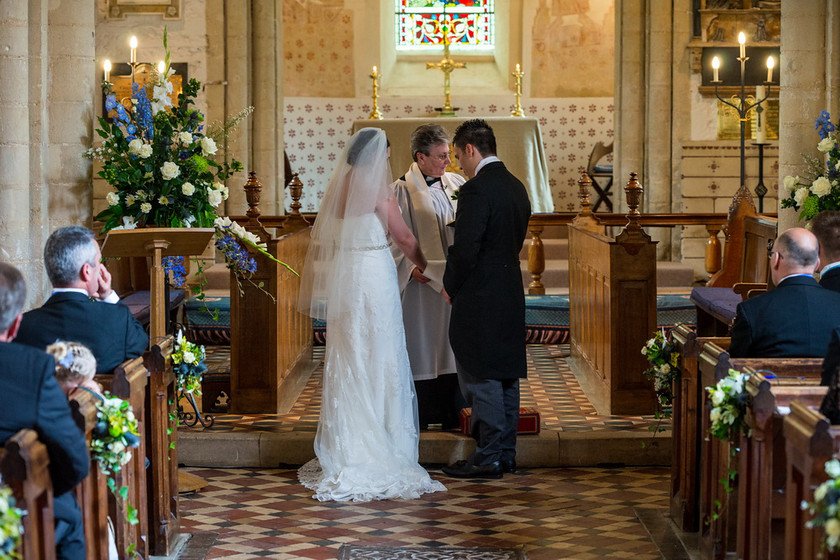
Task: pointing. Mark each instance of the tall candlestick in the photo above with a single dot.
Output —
(107, 67)
(760, 130)
(715, 69)
(770, 64)
(742, 40)
(518, 111)
(375, 114)
(133, 44)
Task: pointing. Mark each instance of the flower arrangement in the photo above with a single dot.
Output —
(825, 506)
(819, 192)
(11, 527)
(158, 158)
(664, 368)
(115, 434)
(729, 400)
(189, 367)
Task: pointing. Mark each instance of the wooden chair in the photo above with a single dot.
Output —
(602, 172)
(24, 465)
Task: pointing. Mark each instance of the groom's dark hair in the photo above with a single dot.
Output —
(478, 133)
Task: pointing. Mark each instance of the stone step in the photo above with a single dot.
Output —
(556, 275)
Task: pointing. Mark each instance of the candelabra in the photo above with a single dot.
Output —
(375, 114)
(742, 106)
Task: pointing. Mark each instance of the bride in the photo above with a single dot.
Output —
(366, 444)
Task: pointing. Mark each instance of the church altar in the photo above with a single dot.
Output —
(518, 143)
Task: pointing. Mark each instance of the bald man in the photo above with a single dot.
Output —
(797, 318)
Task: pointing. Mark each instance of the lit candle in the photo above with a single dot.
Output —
(715, 68)
(133, 44)
(760, 131)
(107, 66)
(770, 64)
(742, 40)
(374, 72)
(517, 68)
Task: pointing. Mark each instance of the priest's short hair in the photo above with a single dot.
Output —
(427, 136)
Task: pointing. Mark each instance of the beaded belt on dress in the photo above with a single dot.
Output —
(368, 248)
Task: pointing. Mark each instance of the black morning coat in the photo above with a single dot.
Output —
(483, 278)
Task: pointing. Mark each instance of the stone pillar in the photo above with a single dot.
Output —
(70, 110)
(628, 150)
(808, 84)
(267, 98)
(237, 29)
(14, 135)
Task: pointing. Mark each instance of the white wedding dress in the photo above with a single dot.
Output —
(367, 438)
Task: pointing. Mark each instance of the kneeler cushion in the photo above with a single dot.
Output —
(529, 421)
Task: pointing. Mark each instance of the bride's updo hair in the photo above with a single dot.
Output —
(356, 154)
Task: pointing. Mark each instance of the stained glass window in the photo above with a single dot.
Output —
(468, 24)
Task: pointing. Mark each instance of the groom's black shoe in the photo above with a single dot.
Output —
(463, 469)
(508, 465)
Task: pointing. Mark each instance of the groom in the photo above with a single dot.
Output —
(484, 284)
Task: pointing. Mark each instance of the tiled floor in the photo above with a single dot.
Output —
(582, 513)
(551, 388)
(570, 513)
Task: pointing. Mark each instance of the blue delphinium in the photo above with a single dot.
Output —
(175, 267)
(143, 108)
(823, 125)
(237, 257)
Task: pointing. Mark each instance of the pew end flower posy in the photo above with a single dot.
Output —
(162, 164)
(826, 507)
(664, 370)
(821, 189)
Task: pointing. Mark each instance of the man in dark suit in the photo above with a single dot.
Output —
(484, 284)
(32, 399)
(826, 227)
(796, 319)
(72, 259)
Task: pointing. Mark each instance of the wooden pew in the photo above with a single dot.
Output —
(92, 493)
(686, 433)
(719, 536)
(612, 310)
(129, 381)
(24, 466)
(810, 441)
(161, 435)
(761, 460)
(271, 342)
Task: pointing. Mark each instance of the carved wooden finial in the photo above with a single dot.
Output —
(296, 191)
(584, 188)
(253, 191)
(633, 192)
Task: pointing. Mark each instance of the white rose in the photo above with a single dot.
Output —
(208, 146)
(188, 189)
(825, 145)
(832, 468)
(717, 397)
(789, 183)
(134, 146)
(145, 151)
(185, 138)
(832, 527)
(821, 187)
(112, 198)
(666, 368)
(820, 492)
(214, 197)
(218, 186)
(800, 195)
(170, 170)
(145, 207)
(189, 357)
(714, 414)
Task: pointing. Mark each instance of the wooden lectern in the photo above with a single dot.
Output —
(156, 243)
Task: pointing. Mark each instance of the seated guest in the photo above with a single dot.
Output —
(72, 259)
(826, 227)
(31, 399)
(75, 366)
(796, 319)
(832, 358)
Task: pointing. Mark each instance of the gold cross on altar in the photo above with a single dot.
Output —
(447, 65)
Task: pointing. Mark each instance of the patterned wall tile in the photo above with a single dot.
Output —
(316, 130)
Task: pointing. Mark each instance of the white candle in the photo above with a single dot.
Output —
(715, 68)
(770, 64)
(517, 68)
(760, 130)
(107, 66)
(742, 40)
(133, 44)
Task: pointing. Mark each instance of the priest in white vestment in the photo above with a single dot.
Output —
(425, 196)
